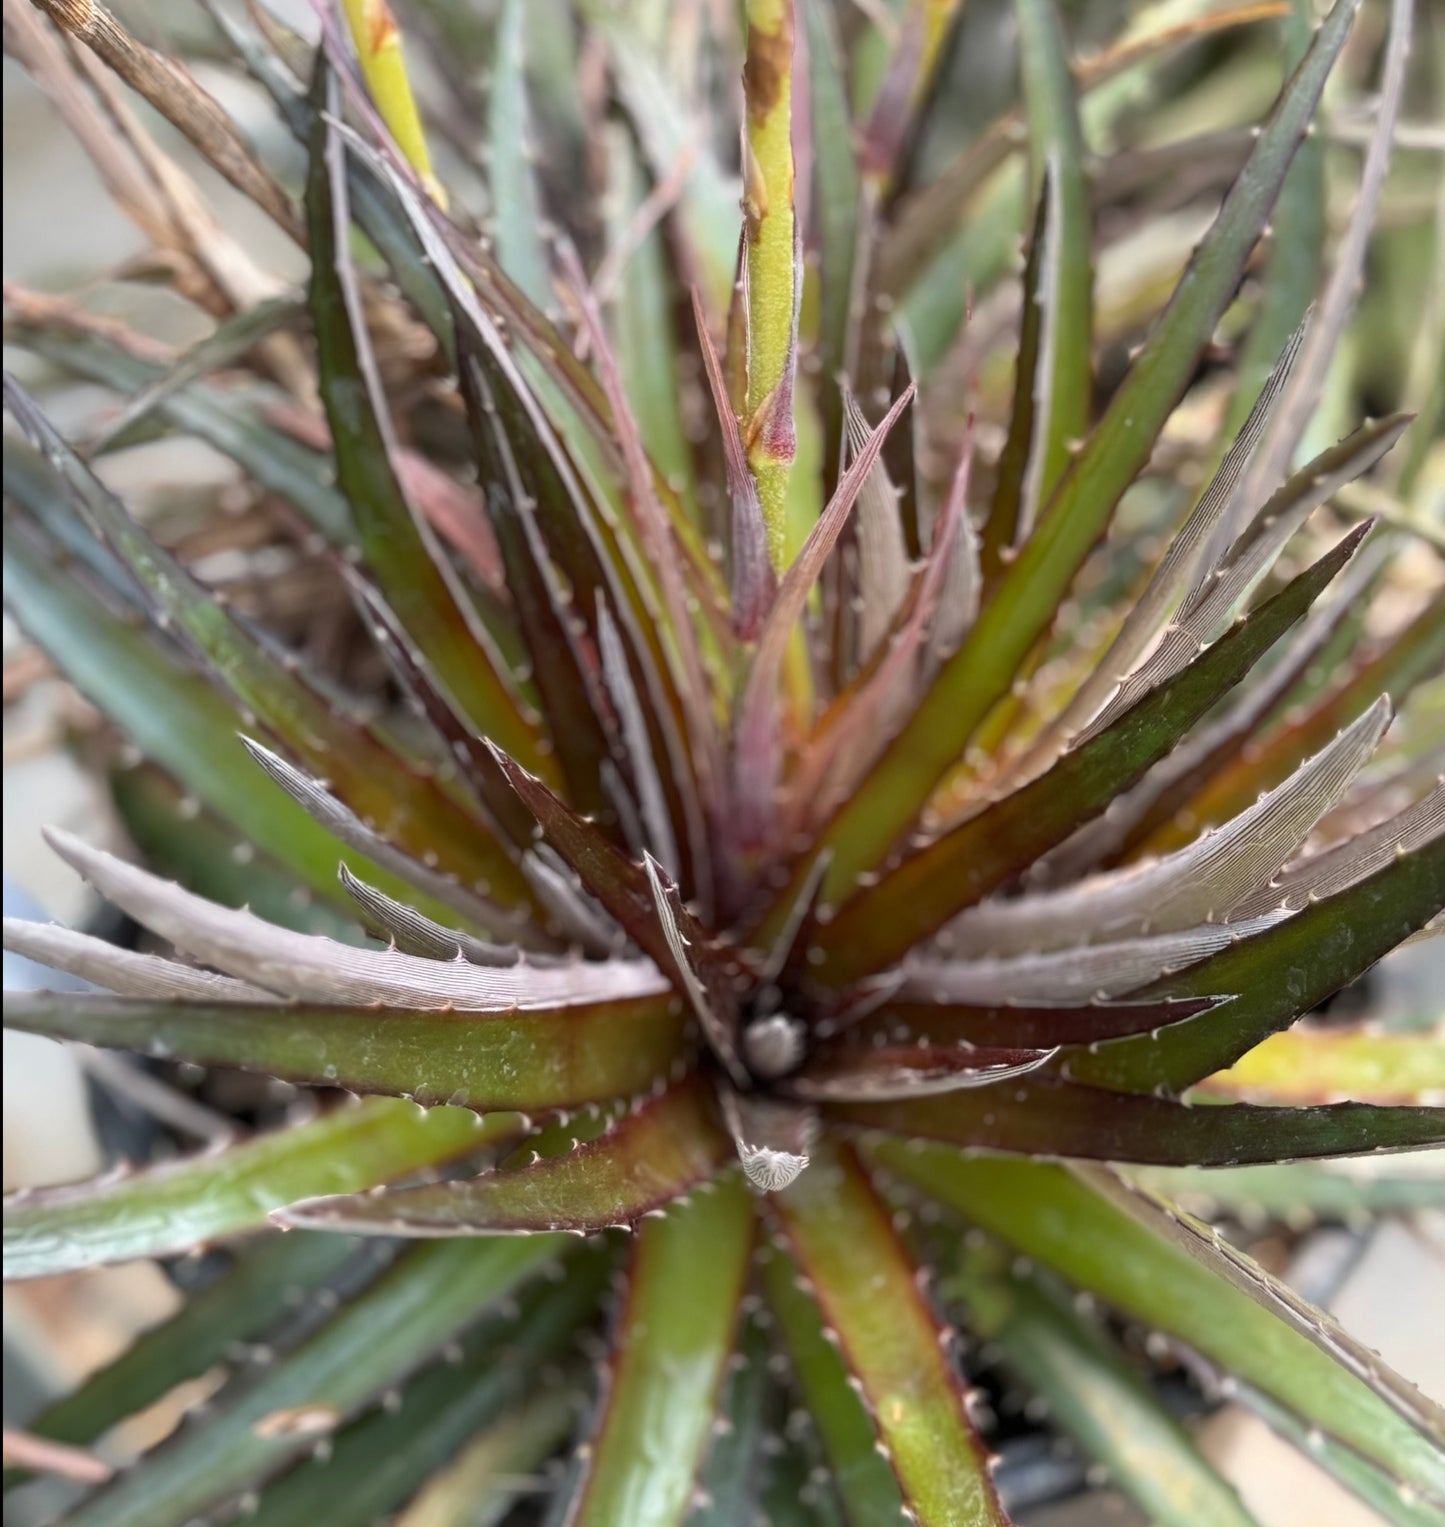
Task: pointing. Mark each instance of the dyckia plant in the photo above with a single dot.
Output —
(877, 749)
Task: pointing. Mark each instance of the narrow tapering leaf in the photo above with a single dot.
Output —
(1042, 1115)
(1065, 368)
(840, 1232)
(542, 1058)
(267, 1287)
(649, 1158)
(967, 863)
(399, 551)
(375, 1341)
(1096, 1396)
(1046, 1213)
(1079, 509)
(163, 1210)
(1277, 976)
(669, 1363)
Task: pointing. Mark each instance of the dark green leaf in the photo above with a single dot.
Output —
(407, 566)
(1025, 602)
(859, 1473)
(490, 1382)
(258, 1294)
(1278, 976)
(883, 922)
(1044, 1116)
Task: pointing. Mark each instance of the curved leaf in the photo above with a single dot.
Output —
(170, 712)
(1206, 882)
(1229, 780)
(399, 554)
(301, 965)
(488, 1381)
(373, 780)
(258, 1294)
(1056, 148)
(481, 1485)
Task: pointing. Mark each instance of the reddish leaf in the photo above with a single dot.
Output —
(644, 1162)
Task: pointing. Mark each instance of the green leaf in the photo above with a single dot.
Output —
(643, 329)
(1016, 1026)
(674, 1335)
(1297, 248)
(554, 372)
(1041, 1115)
(1018, 488)
(259, 1293)
(378, 1461)
(842, 1237)
(1056, 157)
(731, 1480)
(536, 1058)
(170, 712)
(482, 1484)
(430, 1294)
(861, 1476)
(516, 477)
(1095, 1396)
(708, 207)
(1046, 1213)
(197, 848)
(1078, 512)
(165, 1209)
(1230, 781)
(399, 555)
(578, 562)
(1277, 976)
(649, 1158)
(516, 210)
(934, 309)
(622, 887)
(883, 922)
(1376, 1487)
(838, 188)
(232, 424)
(373, 780)
(1291, 1190)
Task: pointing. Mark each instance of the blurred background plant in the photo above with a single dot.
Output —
(156, 301)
